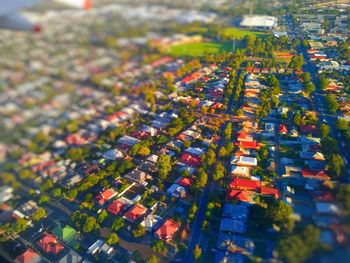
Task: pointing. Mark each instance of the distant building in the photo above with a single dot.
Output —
(259, 22)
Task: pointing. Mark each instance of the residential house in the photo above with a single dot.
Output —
(167, 230)
(50, 244)
(106, 195)
(151, 222)
(135, 212)
(176, 191)
(29, 256)
(116, 207)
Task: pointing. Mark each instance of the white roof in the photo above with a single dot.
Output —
(259, 21)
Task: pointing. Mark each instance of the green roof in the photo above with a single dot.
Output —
(67, 233)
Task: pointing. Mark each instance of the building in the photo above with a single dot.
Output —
(177, 191)
(29, 256)
(135, 212)
(151, 222)
(50, 244)
(67, 234)
(167, 230)
(116, 207)
(6, 193)
(233, 226)
(106, 195)
(259, 22)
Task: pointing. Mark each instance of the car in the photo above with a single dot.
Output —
(324, 120)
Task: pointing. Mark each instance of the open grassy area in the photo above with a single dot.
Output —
(239, 33)
(199, 49)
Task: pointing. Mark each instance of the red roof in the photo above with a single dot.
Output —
(50, 244)
(244, 184)
(243, 196)
(269, 191)
(248, 145)
(115, 207)
(311, 174)
(105, 195)
(28, 256)
(167, 230)
(282, 128)
(135, 212)
(191, 159)
(308, 129)
(185, 182)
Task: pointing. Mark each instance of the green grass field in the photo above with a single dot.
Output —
(199, 49)
(239, 33)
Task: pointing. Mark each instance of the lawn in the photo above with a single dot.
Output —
(199, 49)
(239, 33)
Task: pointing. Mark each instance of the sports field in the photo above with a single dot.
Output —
(200, 49)
(239, 33)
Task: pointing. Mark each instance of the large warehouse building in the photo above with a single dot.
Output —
(259, 22)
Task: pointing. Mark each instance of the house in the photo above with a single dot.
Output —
(282, 129)
(167, 230)
(116, 207)
(244, 137)
(125, 142)
(246, 161)
(138, 176)
(235, 211)
(95, 247)
(314, 174)
(50, 244)
(184, 181)
(245, 184)
(25, 210)
(113, 155)
(106, 195)
(239, 171)
(71, 257)
(244, 196)
(67, 233)
(135, 212)
(249, 145)
(192, 156)
(264, 190)
(6, 193)
(177, 191)
(233, 226)
(151, 222)
(29, 256)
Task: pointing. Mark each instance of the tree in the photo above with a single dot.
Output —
(201, 179)
(228, 131)
(336, 165)
(112, 239)
(72, 194)
(40, 213)
(343, 196)
(56, 192)
(297, 119)
(152, 259)
(342, 124)
(43, 199)
(219, 171)
(299, 247)
(324, 130)
(197, 252)
(193, 210)
(118, 224)
(222, 152)
(323, 82)
(332, 103)
(139, 231)
(279, 214)
(159, 246)
(209, 157)
(21, 225)
(90, 224)
(102, 216)
(164, 165)
(309, 87)
(48, 184)
(144, 151)
(329, 146)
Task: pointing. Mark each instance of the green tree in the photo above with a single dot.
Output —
(197, 252)
(228, 131)
(118, 224)
(343, 195)
(43, 199)
(48, 184)
(164, 166)
(219, 171)
(90, 225)
(336, 165)
(102, 216)
(222, 152)
(324, 130)
(159, 247)
(40, 213)
(342, 124)
(299, 247)
(72, 193)
(209, 157)
(139, 231)
(332, 103)
(152, 259)
(112, 239)
(201, 179)
(56, 192)
(21, 225)
(309, 87)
